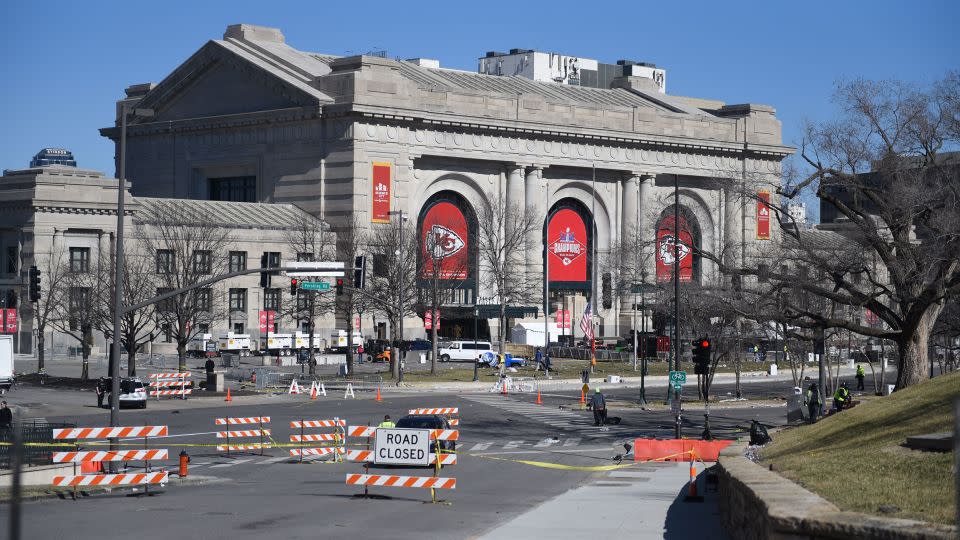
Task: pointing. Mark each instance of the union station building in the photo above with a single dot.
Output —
(593, 150)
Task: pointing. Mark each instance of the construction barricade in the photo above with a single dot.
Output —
(169, 384)
(449, 412)
(84, 459)
(402, 447)
(677, 449)
(337, 438)
(259, 432)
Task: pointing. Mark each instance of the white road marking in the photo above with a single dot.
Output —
(481, 446)
(512, 444)
(571, 442)
(546, 443)
(237, 462)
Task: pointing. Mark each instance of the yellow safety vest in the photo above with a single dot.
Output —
(387, 424)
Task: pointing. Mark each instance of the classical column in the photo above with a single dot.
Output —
(645, 218)
(536, 204)
(732, 224)
(628, 202)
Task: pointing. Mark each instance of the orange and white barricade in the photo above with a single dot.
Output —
(96, 457)
(337, 438)
(449, 412)
(259, 432)
(432, 482)
(365, 456)
(170, 384)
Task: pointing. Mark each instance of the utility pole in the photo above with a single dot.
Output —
(676, 292)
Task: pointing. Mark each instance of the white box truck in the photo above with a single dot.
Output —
(202, 346)
(302, 340)
(234, 344)
(338, 341)
(6, 363)
(276, 345)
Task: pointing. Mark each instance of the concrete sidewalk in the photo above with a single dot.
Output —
(642, 502)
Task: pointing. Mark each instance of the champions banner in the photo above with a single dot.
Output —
(665, 250)
(381, 193)
(567, 246)
(444, 242)
(763, 215)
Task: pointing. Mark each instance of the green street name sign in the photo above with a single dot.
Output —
(314, 286)
(678, 377)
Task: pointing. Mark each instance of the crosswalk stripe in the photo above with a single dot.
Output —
(512, 444)
(481, 446)
(571, 442)
(237, 462)
(546, 442)
(555, 418)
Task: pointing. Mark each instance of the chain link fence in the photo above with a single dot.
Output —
(33, 431)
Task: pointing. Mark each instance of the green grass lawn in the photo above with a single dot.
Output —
(855, 459)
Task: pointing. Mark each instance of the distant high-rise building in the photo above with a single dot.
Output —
(53, 156)
(572, 70)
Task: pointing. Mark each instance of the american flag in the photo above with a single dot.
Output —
(586, 322)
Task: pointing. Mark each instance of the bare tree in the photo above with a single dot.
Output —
(351, 242)
(77, 315)
(53, 271)
(311, 240)
(188, 247)
(137, 327)
(441, 275)
(393, 283)
(895, 197)
(502, 231)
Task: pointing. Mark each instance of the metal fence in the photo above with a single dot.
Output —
(584, 353)
(33, 431)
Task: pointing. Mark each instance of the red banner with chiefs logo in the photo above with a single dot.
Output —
(444, 242)
(763, 215)
(567, 246)
(666, 250)
(267, 320)
(563, 318)
(381, 193)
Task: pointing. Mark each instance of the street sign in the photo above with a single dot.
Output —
(678, 377)
(402, 446)
(677, 386)
(314, 269)
(323, 273)
(314, 286)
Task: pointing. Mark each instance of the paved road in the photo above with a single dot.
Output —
(255, 495)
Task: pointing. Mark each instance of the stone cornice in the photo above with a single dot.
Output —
(260, 118)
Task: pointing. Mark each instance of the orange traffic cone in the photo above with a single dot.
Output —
(503, 384)
(539, 401)
(692, 495)
(228, 396)
(583, 398)
(378, 394)
(313, 391)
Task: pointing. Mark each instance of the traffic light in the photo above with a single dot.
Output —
(34, 284)
(701, 356)
(339, 286)
(294, 284)
(359, 271)
(264, 276)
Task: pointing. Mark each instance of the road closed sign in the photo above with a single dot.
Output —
(402, 447)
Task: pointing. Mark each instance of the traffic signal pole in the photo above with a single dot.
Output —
(676, 292)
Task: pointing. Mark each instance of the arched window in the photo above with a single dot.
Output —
(569, 245)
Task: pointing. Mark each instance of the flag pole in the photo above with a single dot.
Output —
(593, 255)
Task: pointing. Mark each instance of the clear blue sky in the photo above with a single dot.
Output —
(66, 62)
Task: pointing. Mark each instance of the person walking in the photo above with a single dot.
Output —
(101, 390)
(387, 423)
(860, 375)
(813, 402)
(599, 405)
(538, 357)
(6, 416)
(841, 397)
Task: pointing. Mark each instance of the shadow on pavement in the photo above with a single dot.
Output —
(700, 520)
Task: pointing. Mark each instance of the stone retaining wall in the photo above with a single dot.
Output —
(756, 503)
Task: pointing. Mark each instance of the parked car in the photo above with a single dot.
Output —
(492, 359)
(428, 421)
(133, 393)
(463, 350)
(418, 345)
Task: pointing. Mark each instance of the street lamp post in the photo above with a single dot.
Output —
(476, 361)
(643, 325)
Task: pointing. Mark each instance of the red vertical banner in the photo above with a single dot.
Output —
(563, 318)
(263, 321)
(763, 215)
(10, 317)
(381, 193)
(428, 319)
(567, 246)
(271, 319)
(666, 251)
(356, 322)
(444, 239)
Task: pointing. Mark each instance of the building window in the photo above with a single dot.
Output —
(238, 299)
(13, 259)
(238, 261)
(167, 330)
(304, 256)
(271, 299)
(204, 328)
(79, 260)
(165, 261)
(236, 189)
(203, 299)
(167, 305)
(238, 328)
(202, 262)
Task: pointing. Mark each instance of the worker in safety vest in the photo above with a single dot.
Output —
(387, 423)
(841, 398)
(860, 375)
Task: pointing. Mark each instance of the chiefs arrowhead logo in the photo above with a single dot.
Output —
(665, 252)
(443, 242)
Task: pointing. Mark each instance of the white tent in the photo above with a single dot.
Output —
(531, 333)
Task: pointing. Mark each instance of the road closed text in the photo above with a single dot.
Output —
(402, 446)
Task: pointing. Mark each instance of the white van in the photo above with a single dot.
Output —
(6, 363)
(463, 350)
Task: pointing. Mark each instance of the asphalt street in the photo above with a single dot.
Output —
(249, 495)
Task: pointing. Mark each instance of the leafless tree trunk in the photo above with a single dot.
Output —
(78, 314)
(53, 297)
(393, 284)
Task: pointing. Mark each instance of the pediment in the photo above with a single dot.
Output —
(220, 80)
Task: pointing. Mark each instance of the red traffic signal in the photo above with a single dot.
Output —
(294, 284)
(705, 343)
(339, 286)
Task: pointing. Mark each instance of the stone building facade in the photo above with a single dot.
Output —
(248, 117)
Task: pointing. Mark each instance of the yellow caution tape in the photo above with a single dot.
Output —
(586, 468)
